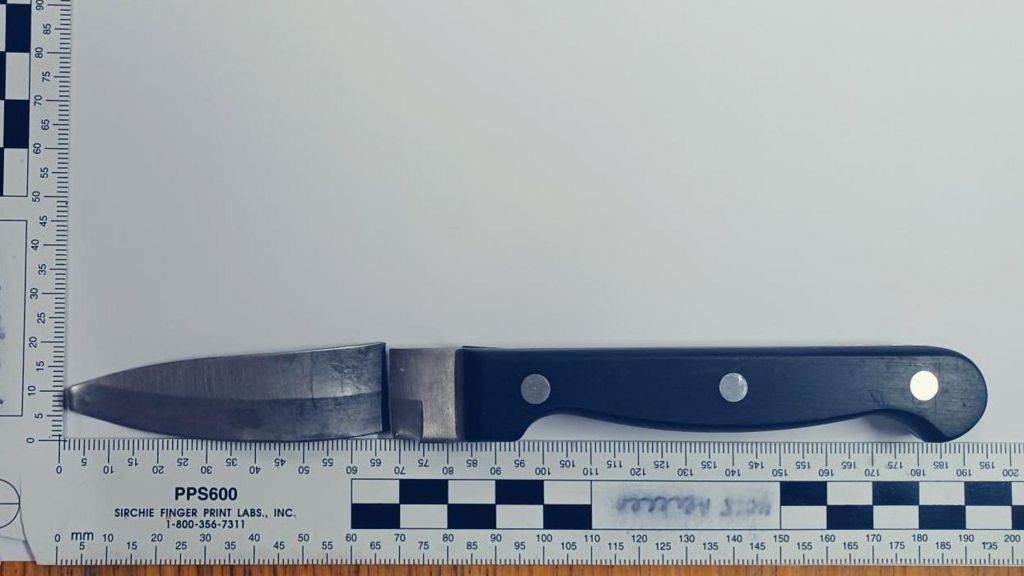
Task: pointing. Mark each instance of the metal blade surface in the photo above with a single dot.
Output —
(308, 395)
(425, 394)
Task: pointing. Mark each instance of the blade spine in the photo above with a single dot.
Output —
(367, 345)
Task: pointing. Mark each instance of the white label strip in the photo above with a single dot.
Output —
(14, 240)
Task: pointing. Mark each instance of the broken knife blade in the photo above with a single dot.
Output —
(448, 394)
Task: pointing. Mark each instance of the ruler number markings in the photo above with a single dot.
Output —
(34, 212)
(34, 191)
(219, 502)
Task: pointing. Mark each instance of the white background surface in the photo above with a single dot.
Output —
(253, 176)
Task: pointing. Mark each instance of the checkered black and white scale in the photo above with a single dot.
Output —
(471, 504)
(684, 505)
(15, 66)
(902, 505)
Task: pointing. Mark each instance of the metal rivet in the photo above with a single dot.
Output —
(733, 387)
(924, 385)
(535, 389)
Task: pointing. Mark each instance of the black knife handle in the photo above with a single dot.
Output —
(680, 388)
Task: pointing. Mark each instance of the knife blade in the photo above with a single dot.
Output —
(305, 395)
(479, 394)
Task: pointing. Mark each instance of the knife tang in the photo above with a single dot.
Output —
(938, 394)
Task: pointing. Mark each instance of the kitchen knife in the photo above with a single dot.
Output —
(449, 394)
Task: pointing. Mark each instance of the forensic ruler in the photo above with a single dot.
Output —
(147, 501)
(35, 95)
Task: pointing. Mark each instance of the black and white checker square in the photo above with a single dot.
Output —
(15, 45)
(471, 504)
(902, 505)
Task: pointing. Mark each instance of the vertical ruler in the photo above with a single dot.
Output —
(34, 214)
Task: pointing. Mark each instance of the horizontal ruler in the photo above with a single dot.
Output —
(146, 501)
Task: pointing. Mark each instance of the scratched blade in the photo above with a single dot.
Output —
(308, 395)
